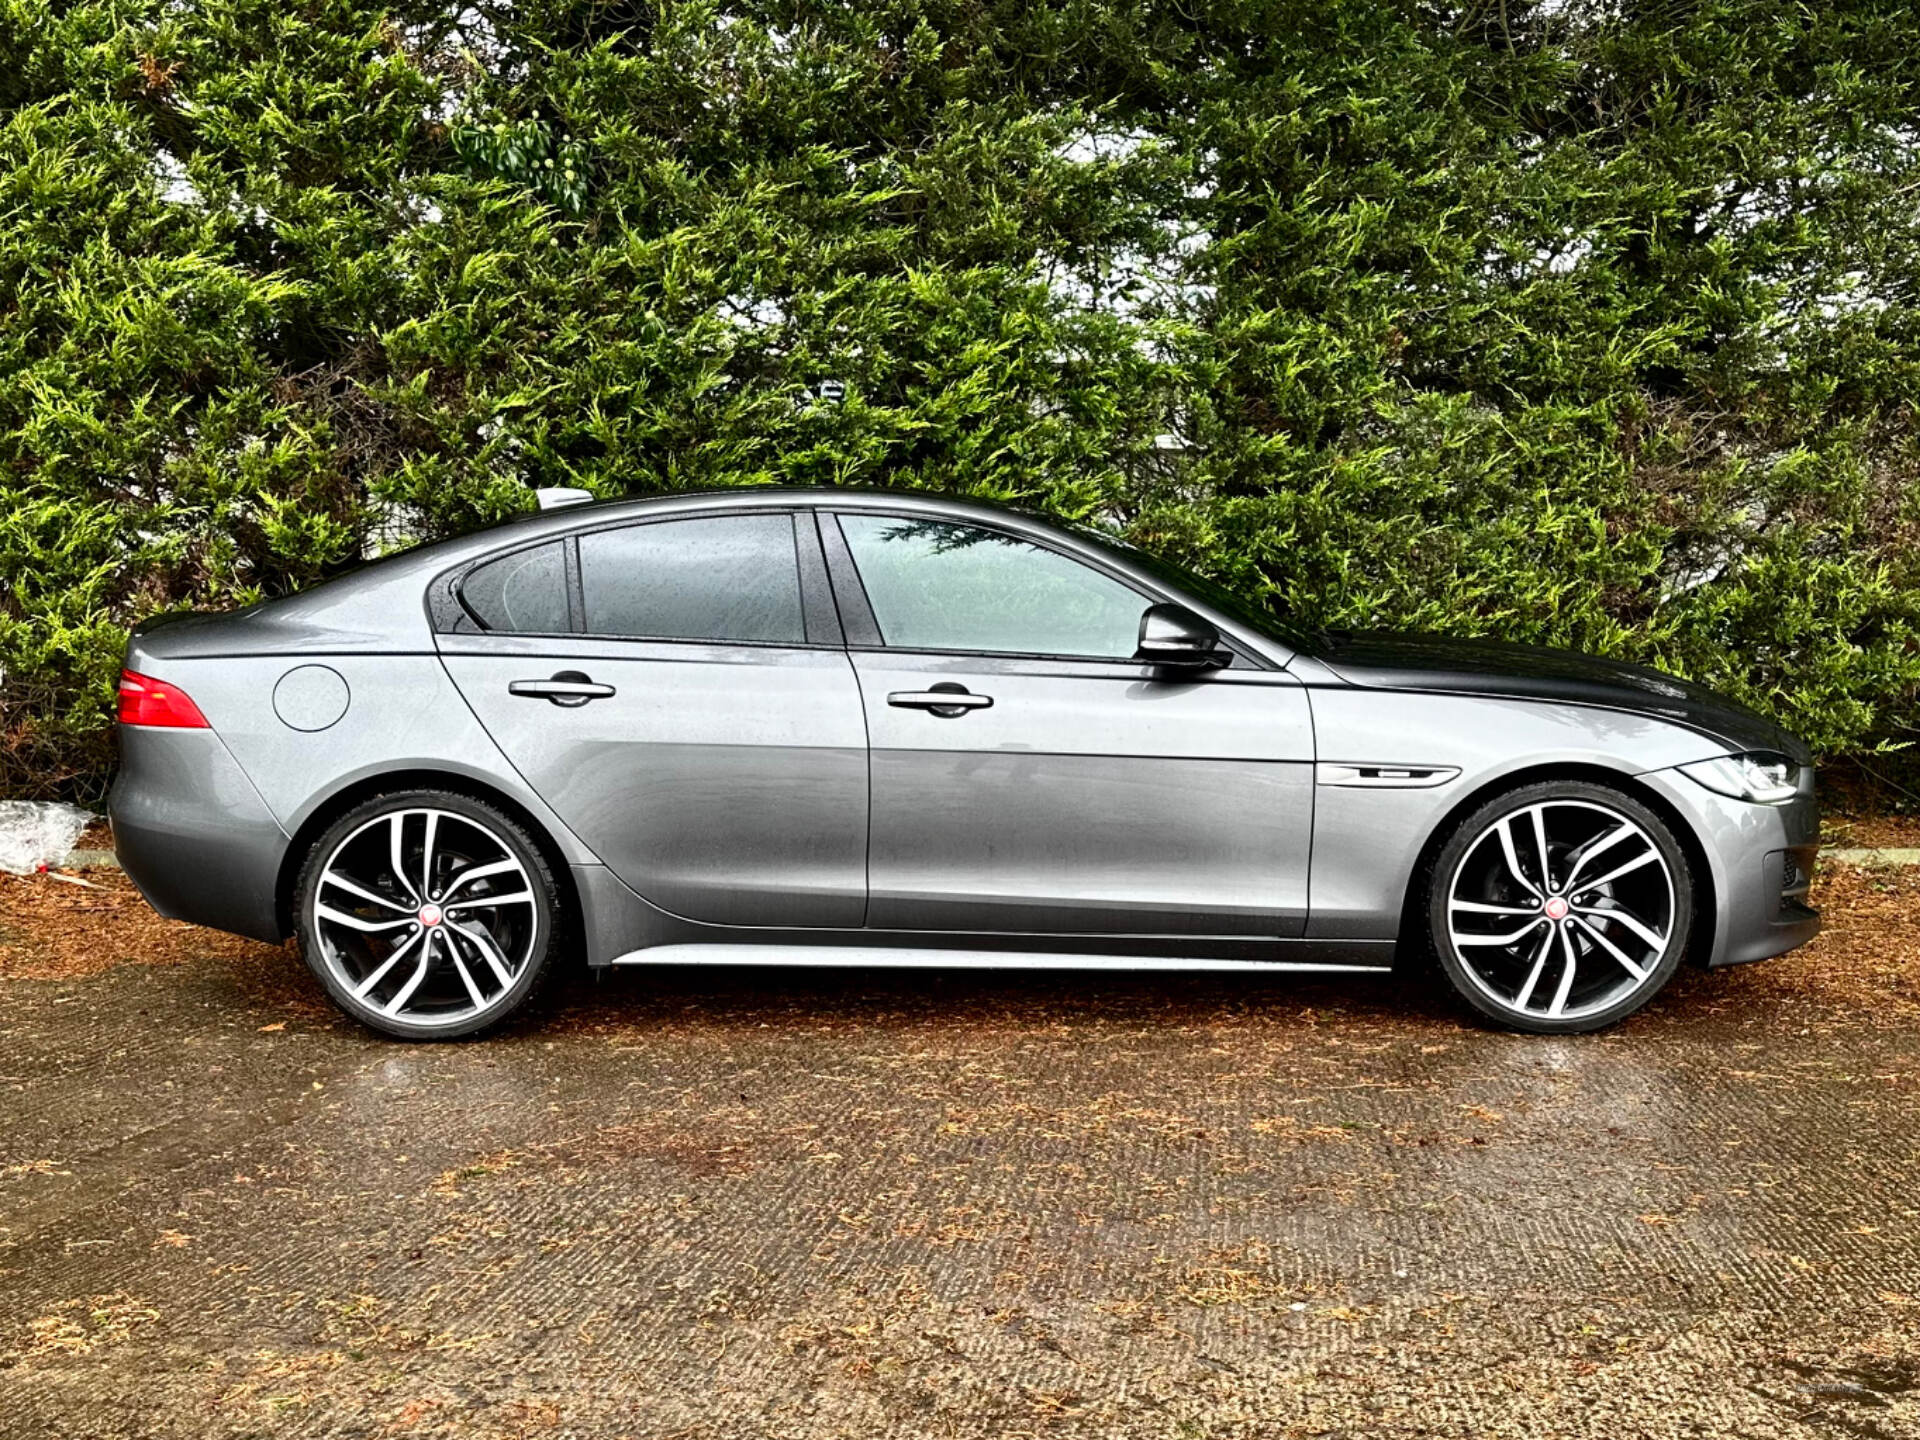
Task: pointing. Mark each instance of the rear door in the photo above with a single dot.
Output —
(1030, 776)
(678, 691)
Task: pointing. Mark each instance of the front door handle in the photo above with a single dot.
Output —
(569, 687)
(947, 700)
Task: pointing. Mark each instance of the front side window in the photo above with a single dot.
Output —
(524, 593)
(936, 585)
(722, 578)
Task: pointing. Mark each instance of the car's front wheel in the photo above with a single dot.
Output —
(1561, 907)
(427, 914)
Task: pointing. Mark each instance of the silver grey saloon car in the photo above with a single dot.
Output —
(854, 728)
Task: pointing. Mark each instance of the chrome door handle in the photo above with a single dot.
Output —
(948, 701)
(569, 687)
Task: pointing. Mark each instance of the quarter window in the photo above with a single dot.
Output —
(525, 592)
(935, 585)
(725, 578)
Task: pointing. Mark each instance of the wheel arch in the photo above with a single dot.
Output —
(366, 787)
(1413, 924)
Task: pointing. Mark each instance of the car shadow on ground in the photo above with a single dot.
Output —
(1412, 999)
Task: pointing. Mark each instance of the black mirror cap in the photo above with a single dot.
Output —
(1173, 635)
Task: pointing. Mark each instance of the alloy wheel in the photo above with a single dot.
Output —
(425, 917)
(1561, 909)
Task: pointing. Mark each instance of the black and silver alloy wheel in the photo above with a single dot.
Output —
(1561, 907)
(427, 914)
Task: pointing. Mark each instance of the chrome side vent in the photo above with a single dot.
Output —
(1384, 777)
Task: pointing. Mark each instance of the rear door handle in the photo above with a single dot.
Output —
(569, 687)
(948, 701)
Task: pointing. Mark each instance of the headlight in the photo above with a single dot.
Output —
(1762, 777)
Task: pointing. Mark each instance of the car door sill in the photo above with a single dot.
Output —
(900, 957)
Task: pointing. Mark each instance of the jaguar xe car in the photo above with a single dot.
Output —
(835, 727)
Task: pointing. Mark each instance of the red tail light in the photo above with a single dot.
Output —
(147, 701)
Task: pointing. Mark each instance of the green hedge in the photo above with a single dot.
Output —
(1582, 323)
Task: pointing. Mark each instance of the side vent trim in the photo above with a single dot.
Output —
(1360, 775)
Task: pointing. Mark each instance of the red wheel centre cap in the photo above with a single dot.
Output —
(430, 914)
(1556, 909)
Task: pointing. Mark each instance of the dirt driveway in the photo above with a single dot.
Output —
(774, 1204)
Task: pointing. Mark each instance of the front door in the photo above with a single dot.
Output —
(681, 699)
(1029, 776)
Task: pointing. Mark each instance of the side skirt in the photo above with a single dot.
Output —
(622, 928)
(1375, 959)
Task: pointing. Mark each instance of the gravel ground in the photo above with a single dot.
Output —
(762, 1203)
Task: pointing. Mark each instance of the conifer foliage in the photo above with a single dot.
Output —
(1589, 322)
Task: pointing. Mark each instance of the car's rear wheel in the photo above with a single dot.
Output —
(1561, 907)
(427, 914)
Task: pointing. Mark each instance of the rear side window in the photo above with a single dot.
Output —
(727, 578)
(525, 592)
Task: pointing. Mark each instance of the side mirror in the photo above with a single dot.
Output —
(1174, 635)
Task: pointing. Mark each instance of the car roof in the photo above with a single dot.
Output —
(567, 519)
(783, 496)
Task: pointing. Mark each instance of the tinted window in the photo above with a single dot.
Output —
(940, 586)
(525, 591)
(731, 577)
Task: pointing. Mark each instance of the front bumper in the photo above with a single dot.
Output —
(1760, 860)
(193, 834)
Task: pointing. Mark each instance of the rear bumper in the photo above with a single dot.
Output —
(193, 834)
(1761, 860)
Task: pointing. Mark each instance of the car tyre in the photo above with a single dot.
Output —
(1560, 907)
(428, 914)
